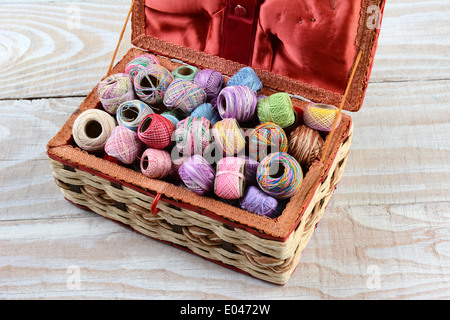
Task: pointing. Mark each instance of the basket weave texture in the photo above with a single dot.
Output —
(269, 260)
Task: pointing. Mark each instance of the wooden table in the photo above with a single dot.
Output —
(385, 234)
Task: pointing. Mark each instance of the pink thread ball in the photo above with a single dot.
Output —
(123, 144)
(115, 90)
(230, 178)
(140, 62)
(156, 163)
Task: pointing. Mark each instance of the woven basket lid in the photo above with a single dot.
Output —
(303, 47)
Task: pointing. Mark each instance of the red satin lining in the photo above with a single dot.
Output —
(306, 40)
(240, 21)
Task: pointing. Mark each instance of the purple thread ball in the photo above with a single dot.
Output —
(211, 80)
(197, 174)
(237, 102)
(258, 202)
(251, 167)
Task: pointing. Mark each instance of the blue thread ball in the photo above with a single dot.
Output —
(207, 111)
(246, 77)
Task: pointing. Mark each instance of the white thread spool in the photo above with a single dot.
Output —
(92, 128)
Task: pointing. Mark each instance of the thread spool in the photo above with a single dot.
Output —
(172, 116)
(197, 174)
(92, 128)
(184, 96)
(246, 77)
(321, 117)
(131, 113)
(151, 83)
(156, 163)
(115, 90)
(267, 138)
(207, 111)
(155, 131)
(140, 62)
(123, 144)
(279, 175)
(230, 178)
(237, 102)
(305, 145)
(186, 72)
(210, 80)
(192, 135)
(277, 108)
(228, 136)
(258, 202)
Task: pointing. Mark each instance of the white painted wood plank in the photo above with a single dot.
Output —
(58, 49)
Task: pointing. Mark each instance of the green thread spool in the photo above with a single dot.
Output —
(185, 72)
(277, 108)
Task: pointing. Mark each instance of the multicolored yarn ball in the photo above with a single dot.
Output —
(228, 136)
(151, 83)
(210, 80)
(115, 90)
(277, 108)
(279, 175)
(156, 131)
(172, 116)
(123, 144)
(258, 202)
(267, 138)
(192, 135)
(207, 111)
(197, 174)
(305, 145)
(184, 96)
(156, 163)
(92, 128)
(230, 178)
(237, 102)
(131, 113)
(321, 117)
(140, 62)
(186, 72)
(246, 77)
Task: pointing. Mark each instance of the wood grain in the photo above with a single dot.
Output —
(385, 234)
(58, 49)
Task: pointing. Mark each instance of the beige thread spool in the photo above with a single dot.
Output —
(92, 128)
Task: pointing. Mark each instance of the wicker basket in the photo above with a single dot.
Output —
(268, 249)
